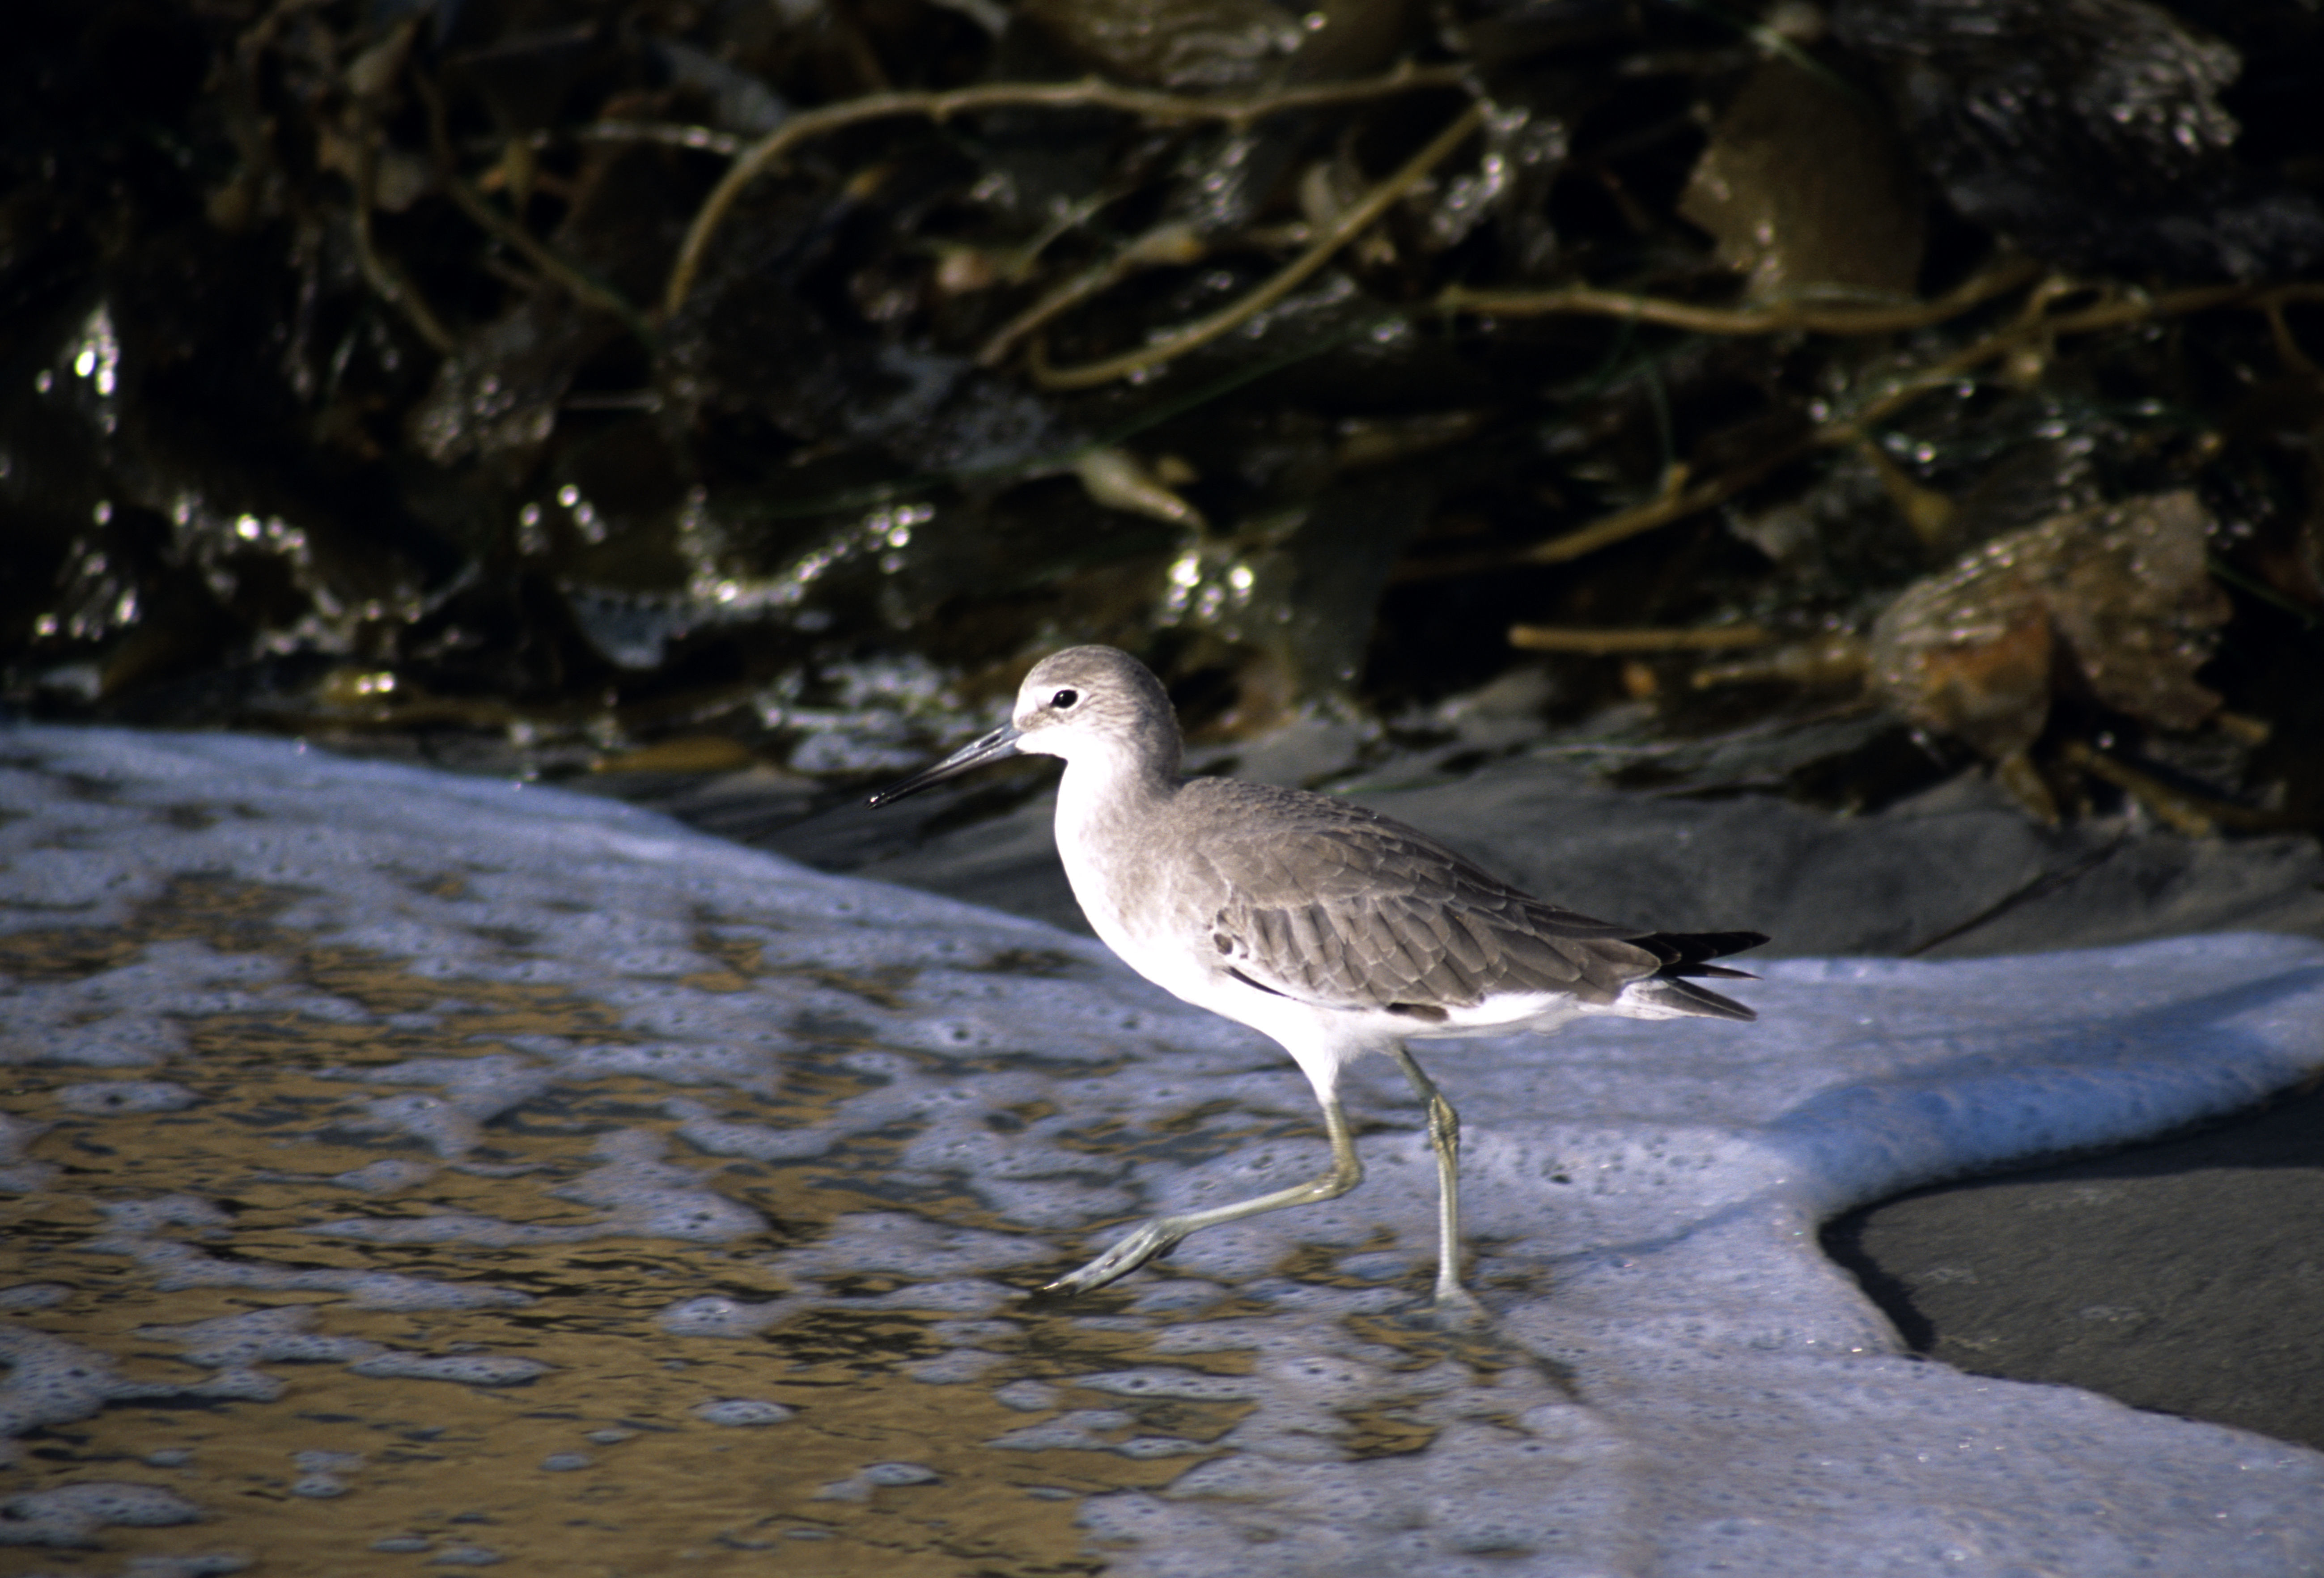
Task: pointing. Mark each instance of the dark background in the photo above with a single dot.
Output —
(341, 391)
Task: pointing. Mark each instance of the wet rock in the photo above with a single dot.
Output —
(1803, 186)
(2090, 131)
(1175, 44)
(2114, 603)
(499, 395)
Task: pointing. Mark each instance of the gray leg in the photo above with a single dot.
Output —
(1444, 1139)
(1153, 1237)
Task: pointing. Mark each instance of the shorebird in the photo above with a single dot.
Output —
(1333, 930)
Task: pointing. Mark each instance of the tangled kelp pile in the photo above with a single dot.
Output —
(767, 382)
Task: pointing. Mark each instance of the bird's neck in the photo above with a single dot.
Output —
(1107, 795)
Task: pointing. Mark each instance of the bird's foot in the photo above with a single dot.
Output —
(1454, 1309)
(1150, 1240)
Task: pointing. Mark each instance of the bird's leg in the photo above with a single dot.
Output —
(1152, 1238)
(1444, 1139)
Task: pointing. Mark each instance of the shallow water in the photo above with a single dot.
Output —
(409, 1171)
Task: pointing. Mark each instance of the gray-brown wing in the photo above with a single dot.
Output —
(1338, 906)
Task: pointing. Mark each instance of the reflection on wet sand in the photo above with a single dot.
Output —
(617, 1454)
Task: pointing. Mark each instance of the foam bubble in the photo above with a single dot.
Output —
(265, 1336)
(957, 1368)
(124, 1097)
(71, 1515)
(468, 1369)
(742, 1411)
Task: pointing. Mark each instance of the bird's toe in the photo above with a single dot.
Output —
(1125, 1257)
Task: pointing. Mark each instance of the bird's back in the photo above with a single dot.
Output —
(1328, 903)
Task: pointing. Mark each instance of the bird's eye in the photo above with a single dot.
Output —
(1065, 698)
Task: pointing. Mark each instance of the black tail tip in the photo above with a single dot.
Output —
(1673, 994)
(1718, 944)
(1684, 952)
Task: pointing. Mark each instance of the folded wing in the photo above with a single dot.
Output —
(1342, 908)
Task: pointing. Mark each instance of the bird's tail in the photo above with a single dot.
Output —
(1685, 954)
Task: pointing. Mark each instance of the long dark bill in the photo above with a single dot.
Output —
(1002, 741)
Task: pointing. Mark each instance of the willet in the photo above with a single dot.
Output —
(1330, 928)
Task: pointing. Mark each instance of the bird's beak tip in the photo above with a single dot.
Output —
(1002, 741)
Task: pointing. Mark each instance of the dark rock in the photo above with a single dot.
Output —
(2090, 131)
